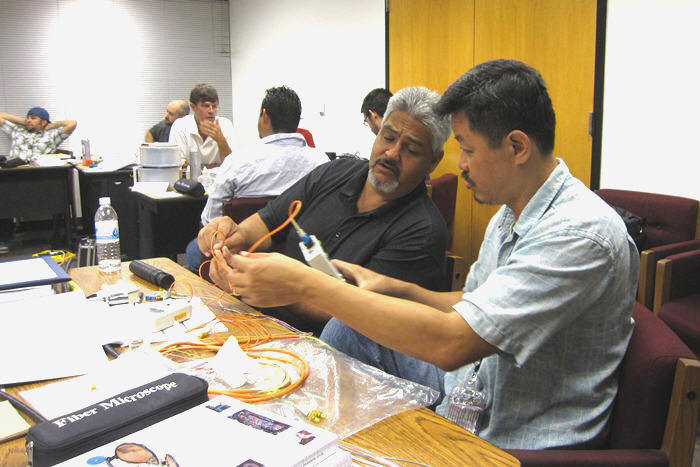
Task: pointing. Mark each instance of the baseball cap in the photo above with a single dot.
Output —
(40, 112)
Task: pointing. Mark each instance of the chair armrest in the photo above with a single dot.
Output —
(647, 267)
(455, 271)
(592, 458)
(686, 268)
(682, 420)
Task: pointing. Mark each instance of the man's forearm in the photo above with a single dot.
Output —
(415, 293)
(68, 125)
(224, 149)
(11, 118)
(310, 312)
(253, 229)
(416, 329)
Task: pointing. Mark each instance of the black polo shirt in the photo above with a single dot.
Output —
(161, 131)
(405, 238)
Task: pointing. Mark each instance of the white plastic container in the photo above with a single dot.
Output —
(159, 155)
(158, 174)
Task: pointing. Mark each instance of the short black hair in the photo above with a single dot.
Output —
(500, 96)
(203, 93)
(376, 100)
(283, 107)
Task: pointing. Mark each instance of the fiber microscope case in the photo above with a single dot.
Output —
(62, 438)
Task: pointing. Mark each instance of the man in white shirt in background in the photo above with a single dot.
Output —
(203, 131)
(265, 168)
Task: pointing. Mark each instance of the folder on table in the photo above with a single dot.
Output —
(30, 272)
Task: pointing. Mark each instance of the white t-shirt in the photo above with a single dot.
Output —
(185, 134)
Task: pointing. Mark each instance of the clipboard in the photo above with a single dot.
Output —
(42, 270)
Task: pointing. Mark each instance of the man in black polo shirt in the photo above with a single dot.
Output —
(377, 214)
(160, 132)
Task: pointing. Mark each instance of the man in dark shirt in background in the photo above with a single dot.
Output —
(373, 108)
(160, 132)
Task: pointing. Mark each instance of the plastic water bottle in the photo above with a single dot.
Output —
(466, 403)
(107, 238)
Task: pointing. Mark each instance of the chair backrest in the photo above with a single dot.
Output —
(645, 383)
(668, 219)
(239, 209)
(444, 195)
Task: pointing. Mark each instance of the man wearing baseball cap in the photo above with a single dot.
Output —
(35, 134)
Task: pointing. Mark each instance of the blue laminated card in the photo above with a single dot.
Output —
(30, 272)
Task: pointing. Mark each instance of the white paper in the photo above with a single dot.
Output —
(47, 338)
(231, 364)
(125, 323)
(132, 369)
(13, 295)
(27, 270)
(155, 189)
(49, 160)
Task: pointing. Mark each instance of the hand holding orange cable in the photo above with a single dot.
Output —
(218, 268)
(229, 234)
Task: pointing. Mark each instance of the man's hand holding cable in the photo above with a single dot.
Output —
(265, 279)
(230, 235)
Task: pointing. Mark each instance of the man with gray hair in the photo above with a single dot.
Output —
(377, 214)
(160, 132)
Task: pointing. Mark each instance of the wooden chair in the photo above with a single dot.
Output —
(669, 222)
(677, 295)
(239, 209)
(443, 191)
(655, 414)
(648, 264)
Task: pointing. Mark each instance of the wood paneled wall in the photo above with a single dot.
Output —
(432, 43)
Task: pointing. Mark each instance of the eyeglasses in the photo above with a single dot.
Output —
(133, 453)
(364, 122)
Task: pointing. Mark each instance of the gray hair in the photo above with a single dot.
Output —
(419, 102)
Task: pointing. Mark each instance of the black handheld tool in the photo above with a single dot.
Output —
(152, 274)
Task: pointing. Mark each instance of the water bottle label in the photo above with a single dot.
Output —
(106, 231)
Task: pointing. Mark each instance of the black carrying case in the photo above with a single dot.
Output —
(64, 437)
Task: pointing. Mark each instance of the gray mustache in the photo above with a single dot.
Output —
(389, 163)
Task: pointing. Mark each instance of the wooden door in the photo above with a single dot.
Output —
(430, 43)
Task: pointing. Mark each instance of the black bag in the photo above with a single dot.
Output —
(634, 225)
(62, 438)
(189, 187)
(6, 163)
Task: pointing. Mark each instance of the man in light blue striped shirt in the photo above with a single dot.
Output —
(547, 305)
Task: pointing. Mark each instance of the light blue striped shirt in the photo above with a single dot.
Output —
(554, 293)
